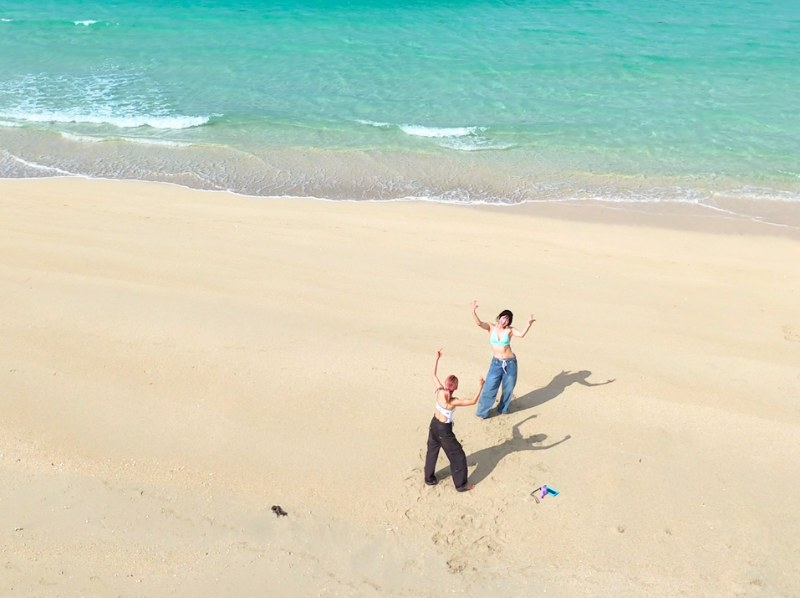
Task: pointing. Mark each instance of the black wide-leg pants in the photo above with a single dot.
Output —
(440, 435)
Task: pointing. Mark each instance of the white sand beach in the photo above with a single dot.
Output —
(175, 363)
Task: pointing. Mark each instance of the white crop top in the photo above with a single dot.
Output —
(448, 413)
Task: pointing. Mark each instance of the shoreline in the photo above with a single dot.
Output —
(675, 215)
(177, 362)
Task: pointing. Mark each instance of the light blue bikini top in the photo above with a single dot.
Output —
(499, 341)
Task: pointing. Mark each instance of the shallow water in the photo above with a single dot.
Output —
(480, 101)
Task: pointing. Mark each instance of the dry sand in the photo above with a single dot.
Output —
(176, 362)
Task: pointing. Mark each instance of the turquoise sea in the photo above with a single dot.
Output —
(451, 100)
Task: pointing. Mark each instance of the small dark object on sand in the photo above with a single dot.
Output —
(279, 511)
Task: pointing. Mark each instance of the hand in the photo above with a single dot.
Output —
(481, 381)
(531, 320)
(474, 305)
(439, 354)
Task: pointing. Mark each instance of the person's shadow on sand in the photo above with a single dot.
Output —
(556, 386)
(488, 458)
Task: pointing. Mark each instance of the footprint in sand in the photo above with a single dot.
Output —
(442, 538)
(457, 564)
(486, 545)
(790, 335)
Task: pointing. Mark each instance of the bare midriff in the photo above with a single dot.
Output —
(504, 353)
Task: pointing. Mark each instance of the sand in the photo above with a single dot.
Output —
(175, 363)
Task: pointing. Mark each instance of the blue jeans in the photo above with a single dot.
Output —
(501, 372)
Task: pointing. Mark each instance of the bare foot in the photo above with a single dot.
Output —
(466, 488)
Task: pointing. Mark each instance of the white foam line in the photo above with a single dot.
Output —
(431, 199)
(136, 140)
(738, 215)
(438, 132)
(36, 166)
(122, 122)
(373, 123)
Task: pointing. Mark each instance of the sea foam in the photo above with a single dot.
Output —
(439, 132)
(123, 122)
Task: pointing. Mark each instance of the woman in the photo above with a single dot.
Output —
(440, 433)
(503, 369)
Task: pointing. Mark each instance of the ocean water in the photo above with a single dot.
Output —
(495, 101)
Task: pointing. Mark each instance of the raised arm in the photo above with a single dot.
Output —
(468, 402)
(522, 333)
(436, 382)
(476, 319)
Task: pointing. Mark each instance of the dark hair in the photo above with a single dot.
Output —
(506, 312)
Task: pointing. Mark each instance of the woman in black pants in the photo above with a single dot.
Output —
(441, 434)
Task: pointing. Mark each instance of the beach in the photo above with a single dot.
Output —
(178, 362)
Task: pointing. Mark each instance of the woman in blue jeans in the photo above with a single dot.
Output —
(503, 369)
